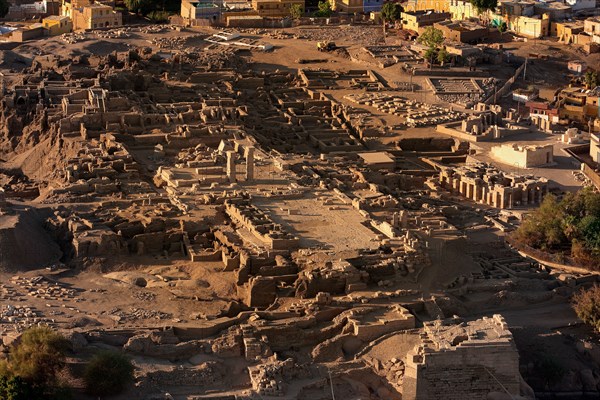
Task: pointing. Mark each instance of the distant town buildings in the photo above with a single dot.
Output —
(57, 25)
(96, 16)
(88, 15)
(275, 8)
(595, 147)
(418, 20)
(33, 10)
(192, 10)
(357, 6)
(579, 105)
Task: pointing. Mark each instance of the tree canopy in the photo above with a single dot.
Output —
(39, 355)
(146, 6)
(391, 11)
(4, 6)
(296, 11)
(16, 388)
(484, 5)
(324, 9)
(108, 373)
(32, 367)
(591, 79)
(431, 37)
(572, 223)
(443, 55)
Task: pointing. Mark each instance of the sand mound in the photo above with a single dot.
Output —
(103, 47)
(11, 60)
(135, 278)
(24, 244)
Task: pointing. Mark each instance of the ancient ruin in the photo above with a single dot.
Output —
(247, 215)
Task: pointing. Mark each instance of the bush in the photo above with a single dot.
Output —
(158, 17)
(15, 388)
(30, 372)
(39, 356)
(296, 11)
(324, 9)
(551, 370)
(108, 373)
(571, 225)
(586, 304)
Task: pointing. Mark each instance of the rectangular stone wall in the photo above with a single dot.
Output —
(462, 373)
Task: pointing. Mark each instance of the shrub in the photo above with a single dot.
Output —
(586, 304)
(39, 356)
(571, 225)
(15, 388)
(551, 370)
(296, 11)
(108, 373)
(158, 17)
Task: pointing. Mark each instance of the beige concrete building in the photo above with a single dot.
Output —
(348, 6)
(422, 5)
(530, 27)
(577, 104)
(595, 147)
(415, 20)
(567, 31)
(95, 16)
(515, 8)
(557, 11)
(68, 6)
(462, 31)
(57, 25)
(192, 10)
(275, 8)
(524, 156)
(592, 26)
(462, 9)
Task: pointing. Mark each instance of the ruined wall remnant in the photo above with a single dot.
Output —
(464, 361)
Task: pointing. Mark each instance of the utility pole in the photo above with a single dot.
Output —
(331, 384)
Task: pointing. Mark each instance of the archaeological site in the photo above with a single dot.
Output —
(275, 199)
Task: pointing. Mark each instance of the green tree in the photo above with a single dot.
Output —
(571, 223)
(484, 5)
(296, 11)
(543, 229)
(140, 6)
(324, 9)
(15, 388)
(443, 56)
(430, 54)
(390, 12)
(39, 356)
(4, 5)
(158, 17)
(591, 79)
(431, 37)
(108, 373)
